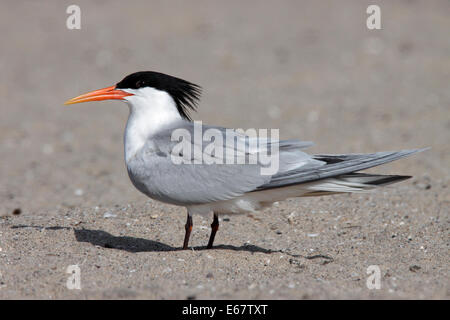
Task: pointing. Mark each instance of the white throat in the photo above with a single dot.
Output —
(150, 110)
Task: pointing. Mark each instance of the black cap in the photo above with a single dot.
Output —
(184, 93)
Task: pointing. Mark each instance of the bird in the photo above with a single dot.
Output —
(209, 183)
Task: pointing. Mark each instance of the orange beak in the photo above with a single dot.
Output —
(101, 94)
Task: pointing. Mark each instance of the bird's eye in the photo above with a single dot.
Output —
(139, 84)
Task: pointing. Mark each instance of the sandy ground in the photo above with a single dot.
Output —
(310, 68)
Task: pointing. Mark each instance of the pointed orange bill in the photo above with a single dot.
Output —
(101, 94)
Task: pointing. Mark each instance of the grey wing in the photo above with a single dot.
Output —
(180, 176)
(189, 184)
(160, 172)
(335, 165)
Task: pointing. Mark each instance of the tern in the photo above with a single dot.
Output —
(160, 105)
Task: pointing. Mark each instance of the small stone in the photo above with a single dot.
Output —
(423, 184)
(154, 216)
(291, 217)
(79, 192)
(414, 268)
(109, 215)
(209, 275)
(355, 276)
(312, 235)
(17, 211)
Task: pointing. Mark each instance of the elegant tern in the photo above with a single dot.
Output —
(159, 106)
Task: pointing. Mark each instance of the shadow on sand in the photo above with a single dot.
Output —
(131, 244)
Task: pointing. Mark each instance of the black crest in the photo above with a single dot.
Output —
(184, 93)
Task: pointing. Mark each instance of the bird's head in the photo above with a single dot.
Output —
(141, 89)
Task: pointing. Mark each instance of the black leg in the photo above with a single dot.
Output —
(214, 228)
(188, 228)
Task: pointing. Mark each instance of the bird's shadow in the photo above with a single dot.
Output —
(131, 244)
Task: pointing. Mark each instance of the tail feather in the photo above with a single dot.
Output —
(372, 179)
(353, 182)
(342, 168)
